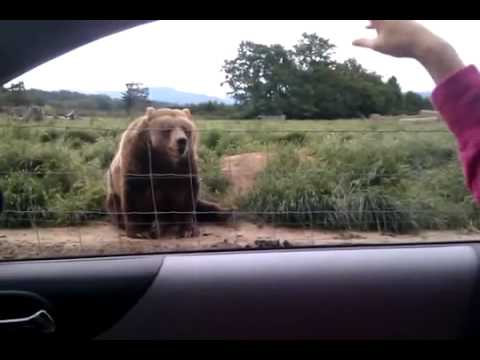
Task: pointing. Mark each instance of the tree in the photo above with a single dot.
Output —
(258, 77)
(413, 103)
(3, 96)
(104, 103)
(17, 95)
(312, 50)
(17, 87)
(396, 97)
(306, 82)
(135, 97)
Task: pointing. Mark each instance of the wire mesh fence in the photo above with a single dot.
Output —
(387, 178)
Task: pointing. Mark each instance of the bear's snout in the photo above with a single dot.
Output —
(182, 145)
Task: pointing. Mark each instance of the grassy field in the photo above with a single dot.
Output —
(344, 174)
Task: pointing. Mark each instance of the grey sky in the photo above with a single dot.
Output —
(188, 55)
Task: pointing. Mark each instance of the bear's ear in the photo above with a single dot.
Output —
(188, 113)
(149, 112)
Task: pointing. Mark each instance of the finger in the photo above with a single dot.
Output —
(375, 24)
(366, 43)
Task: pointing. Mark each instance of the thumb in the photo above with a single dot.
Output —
(366, 43)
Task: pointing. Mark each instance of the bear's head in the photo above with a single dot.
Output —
(172, 132)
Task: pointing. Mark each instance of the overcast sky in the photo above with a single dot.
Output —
(188, 55)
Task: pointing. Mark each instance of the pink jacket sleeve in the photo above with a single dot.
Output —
(457, 98)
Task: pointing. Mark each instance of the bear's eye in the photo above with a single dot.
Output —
(166, 132)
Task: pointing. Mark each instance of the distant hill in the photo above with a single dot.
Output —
(172, 96)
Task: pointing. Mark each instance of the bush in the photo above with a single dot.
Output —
(212, 138)
(25, 197)
(49, 135)
(81, 136)
(297, 138)
(213, 184)
(364, 184)
(103, 151)
(38, 177)
(230, 143)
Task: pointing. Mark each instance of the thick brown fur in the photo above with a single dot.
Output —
(171, 137)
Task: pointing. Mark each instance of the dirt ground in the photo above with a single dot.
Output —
(103, 239)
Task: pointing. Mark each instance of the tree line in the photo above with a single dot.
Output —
(61, 101)
(135, 98)
(306, 82)
(133, 101)
(301, 83)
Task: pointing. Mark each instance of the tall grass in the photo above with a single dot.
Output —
(355, 179)
(393, 183)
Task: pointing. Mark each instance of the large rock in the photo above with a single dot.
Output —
(375, 117)
(34, 113)
(420, 119)
(241, 170)
(428, 113)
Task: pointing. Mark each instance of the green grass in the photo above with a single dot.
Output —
(344, 174)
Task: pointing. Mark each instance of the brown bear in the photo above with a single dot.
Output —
(153, 183)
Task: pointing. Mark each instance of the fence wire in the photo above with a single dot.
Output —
(310, 216)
